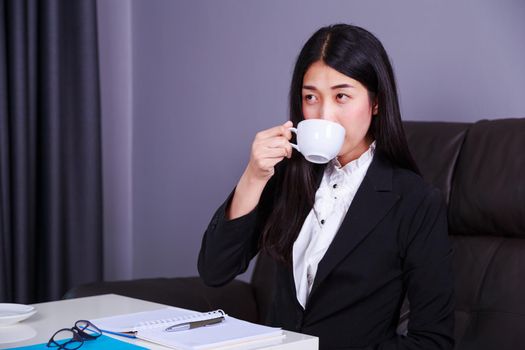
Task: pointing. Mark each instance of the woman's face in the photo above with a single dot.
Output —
(328, 94)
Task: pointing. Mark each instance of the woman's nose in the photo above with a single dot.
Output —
(328, 113)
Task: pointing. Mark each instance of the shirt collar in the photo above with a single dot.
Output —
(364, 159)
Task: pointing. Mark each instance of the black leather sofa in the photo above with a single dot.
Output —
(480, 167)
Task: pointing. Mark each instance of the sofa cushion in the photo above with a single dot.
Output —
(490, 285)
(435, 147)
(488, 196)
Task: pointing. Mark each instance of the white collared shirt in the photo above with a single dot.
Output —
(332, 200)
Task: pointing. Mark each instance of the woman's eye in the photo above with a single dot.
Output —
(310, 98)
(342, 97)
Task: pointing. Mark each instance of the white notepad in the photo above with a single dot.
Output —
(151, 325)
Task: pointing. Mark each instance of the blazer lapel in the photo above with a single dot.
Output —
(371, 203)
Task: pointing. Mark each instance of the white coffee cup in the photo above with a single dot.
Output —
(319, 140)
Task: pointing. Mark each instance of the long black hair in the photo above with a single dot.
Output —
(358, 54)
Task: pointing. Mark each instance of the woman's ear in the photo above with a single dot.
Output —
(375, 107)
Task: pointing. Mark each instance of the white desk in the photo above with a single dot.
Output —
(62, 314)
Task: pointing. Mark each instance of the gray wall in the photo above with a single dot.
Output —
(207, 75)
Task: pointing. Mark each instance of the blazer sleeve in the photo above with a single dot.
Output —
(228, 246)
(428, 279)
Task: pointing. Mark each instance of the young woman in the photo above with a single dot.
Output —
(352, 237)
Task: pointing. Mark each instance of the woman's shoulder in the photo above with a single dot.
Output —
(418, 201)
(409, 184)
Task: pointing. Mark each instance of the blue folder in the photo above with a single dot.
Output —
(102, 342)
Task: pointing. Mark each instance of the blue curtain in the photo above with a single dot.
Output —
(50, 149)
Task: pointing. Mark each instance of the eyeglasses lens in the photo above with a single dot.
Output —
(87, 330)
(66, 339)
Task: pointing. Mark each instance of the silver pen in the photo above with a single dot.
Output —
(194, 324)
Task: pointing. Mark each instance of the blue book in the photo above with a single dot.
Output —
(102, 342)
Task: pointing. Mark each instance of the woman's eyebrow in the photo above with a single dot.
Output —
(339, 86)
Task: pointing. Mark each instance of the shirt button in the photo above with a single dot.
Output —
(322, 222)
(334, 186)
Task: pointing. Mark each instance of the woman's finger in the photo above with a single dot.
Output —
(276, 152)
(275, 142)
(278, 130)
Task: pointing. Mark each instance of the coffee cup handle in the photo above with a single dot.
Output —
(294, 130)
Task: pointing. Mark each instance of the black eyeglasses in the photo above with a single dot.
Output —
(74, 337)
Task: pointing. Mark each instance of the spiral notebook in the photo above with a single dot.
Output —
(151, 326)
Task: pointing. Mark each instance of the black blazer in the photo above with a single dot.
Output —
(393, 241)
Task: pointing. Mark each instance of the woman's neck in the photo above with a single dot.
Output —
(356, 152)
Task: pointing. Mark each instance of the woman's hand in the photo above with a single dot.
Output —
(269, 148)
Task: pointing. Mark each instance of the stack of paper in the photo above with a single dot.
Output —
(151, 326)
